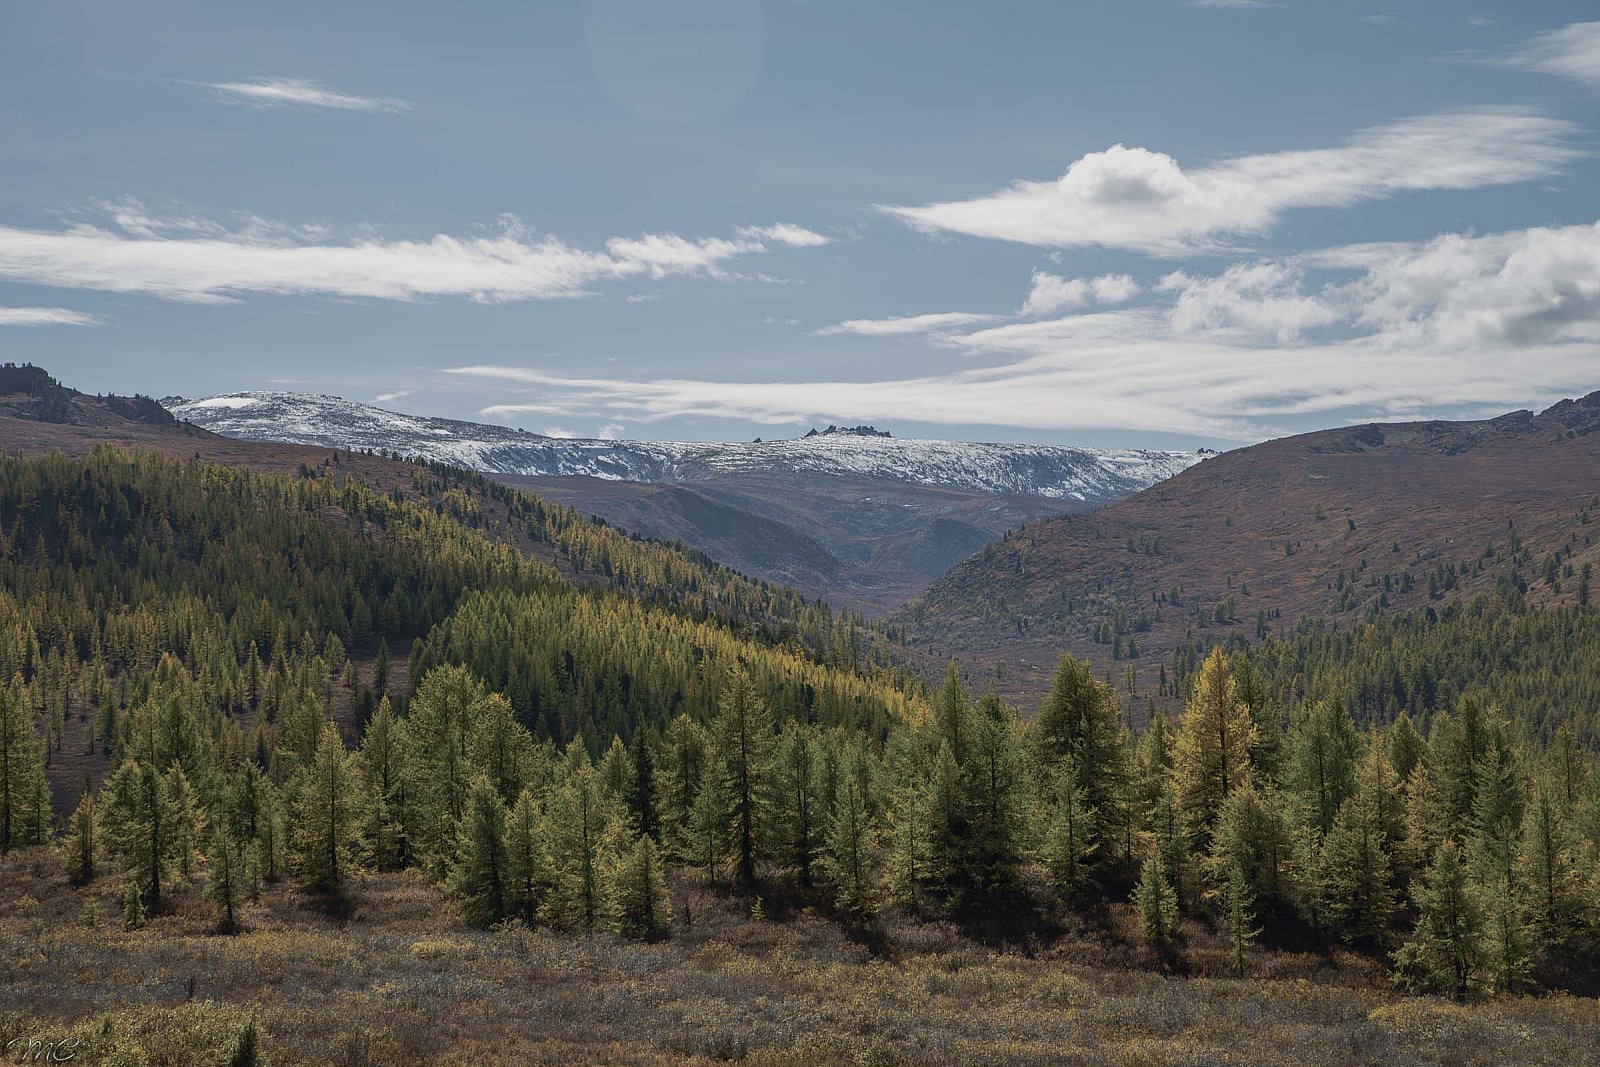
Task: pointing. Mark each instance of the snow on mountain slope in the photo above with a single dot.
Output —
(1081, 474)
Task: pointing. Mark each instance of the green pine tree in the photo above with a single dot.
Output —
(1077, 723)
(682, 770)
(1548, 866)
(139, 827)
(226, 863)
(1212, 752)
(800, 816)
(81, 848)
(479, 880)
(188, 822)
(23, 819)
(848, 860)
(1447, 952)
(1157, 903)
(578, 816)
(1357, 868)
(133, 910)
(746, 743)
(1238, 917)
(327, 817)
(1323, 754)
(1069, 842)
(636, 890)
(527, 868)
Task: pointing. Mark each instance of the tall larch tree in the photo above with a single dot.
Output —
(81, 848)
(327, 816)
(578, 815)
(848, 860)
(635, 888)
(1212, 752)
(682, 769)
(1077, 723)
(479, 879)
(745, 744)
(802, 819)
(527, 866)
(139, 827)
(21, 769)
(1324, 750)
(1447, 951)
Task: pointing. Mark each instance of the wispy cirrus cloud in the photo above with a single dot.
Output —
(299, 92)
(1571, 52)
(1462, 322)
(389, 398)
(39, 316)
(937, 322)
(1138, 199)
(203, 262)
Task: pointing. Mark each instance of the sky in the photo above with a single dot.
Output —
(1143, 223)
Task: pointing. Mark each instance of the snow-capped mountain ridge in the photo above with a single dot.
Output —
(1080, 474)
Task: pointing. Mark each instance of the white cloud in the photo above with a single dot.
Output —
(1527, 287)
(785, 233)
(1263, 299)
(47, 317)
(1051, 293)
(386, 398)
(1487, 323)
(611, 431)
(936, 322)
(200, 261)
(551, 431)
(1572, 52)
(1138, 199)
(299, 92)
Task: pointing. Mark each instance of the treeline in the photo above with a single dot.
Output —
(1465, 857)
(1493, 648)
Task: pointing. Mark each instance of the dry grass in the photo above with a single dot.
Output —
(395, 979)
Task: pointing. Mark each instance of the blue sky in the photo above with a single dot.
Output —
(1147, 221)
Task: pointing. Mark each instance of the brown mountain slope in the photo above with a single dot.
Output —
(1338, 523)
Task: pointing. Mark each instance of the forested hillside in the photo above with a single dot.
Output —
(558, 748)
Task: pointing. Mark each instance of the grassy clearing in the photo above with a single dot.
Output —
(394, 978)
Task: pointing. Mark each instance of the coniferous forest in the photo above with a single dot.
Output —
(244, 706)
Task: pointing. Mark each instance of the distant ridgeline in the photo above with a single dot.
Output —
(31, 392)
(209, 642)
